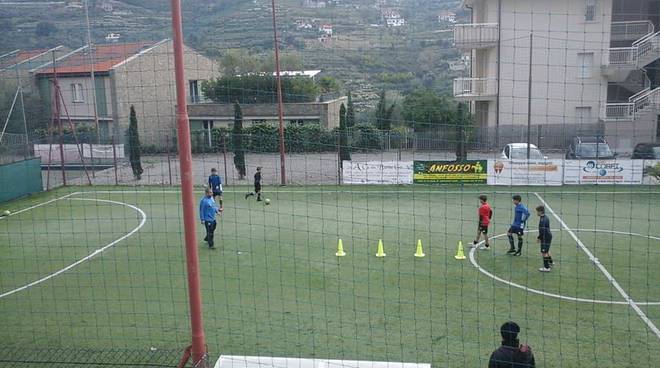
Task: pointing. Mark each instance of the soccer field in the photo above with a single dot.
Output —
(98, 269)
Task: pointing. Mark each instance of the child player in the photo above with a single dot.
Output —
(545, 239)
(215, 184)
(485, 214)
(520, 217)
(257, 185)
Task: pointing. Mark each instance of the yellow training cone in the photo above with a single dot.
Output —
(340, 249)
(459, 253)
(381, 251)
(419, 253)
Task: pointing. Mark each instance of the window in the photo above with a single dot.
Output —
(583, 115)
(585, 62)
(590, 10)
(208, 124)
(194, 91)
(77, 92)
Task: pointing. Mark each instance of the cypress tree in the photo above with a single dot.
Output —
(237, 137)
(134, 145)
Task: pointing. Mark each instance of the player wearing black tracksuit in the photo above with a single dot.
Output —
(257, 185)
(511, 354)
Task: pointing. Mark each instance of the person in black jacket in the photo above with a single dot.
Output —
(511, 354)
(545, 239)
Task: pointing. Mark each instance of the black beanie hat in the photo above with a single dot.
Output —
(509, 331)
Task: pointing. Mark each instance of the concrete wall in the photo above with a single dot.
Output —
(560, 33)
(223, 114)
(147, 82)
(84, 111)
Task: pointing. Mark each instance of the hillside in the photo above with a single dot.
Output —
(363, 54)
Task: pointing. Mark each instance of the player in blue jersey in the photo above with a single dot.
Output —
(215, 183)
(520, 217)
(207, 211)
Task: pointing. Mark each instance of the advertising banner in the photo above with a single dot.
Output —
(377, 172)
(603, 171)
(447, 172)
(524, 172)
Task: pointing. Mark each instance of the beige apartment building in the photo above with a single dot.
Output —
(139, 74)
(594, 69)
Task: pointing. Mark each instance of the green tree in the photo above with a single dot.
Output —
(237, 138)
(350, 112)
(328, 84)
(260, 89)
(384, 113)
(134, 145)
(424, 109)
(238, 62)
(344, 149)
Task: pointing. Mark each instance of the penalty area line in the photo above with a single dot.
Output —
(602, 269)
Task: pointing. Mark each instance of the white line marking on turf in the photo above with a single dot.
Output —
(559, 296)
(602, 269)
(89, 256)
(41, 204)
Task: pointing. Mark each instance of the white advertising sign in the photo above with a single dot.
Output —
(524, 172)
(603, 171)
(72, 154)
(377, 172)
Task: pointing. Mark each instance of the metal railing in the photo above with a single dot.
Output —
(475, 87)
(638, 52)
(631, 30)
(476, 34)
(638, 103)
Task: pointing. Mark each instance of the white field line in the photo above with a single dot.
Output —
(474, 262)
(89, 256)
(41, 204)
(602, 269)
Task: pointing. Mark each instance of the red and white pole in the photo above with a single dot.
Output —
(187, 193)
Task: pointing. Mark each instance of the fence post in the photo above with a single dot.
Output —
(91, 158)
(224, 156)
(169, 160)
(114, 157)
(339, 163)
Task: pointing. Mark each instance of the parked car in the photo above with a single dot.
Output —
(589, 148)
(649, 151)
(518, 151)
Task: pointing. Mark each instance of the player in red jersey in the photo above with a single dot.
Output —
(485, 214)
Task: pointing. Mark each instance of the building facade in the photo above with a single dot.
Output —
(125, 75)
(590, 68)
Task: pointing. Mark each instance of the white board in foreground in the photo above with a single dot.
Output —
(234, 361)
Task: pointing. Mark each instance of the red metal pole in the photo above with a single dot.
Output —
(279, 98)
(187, 192)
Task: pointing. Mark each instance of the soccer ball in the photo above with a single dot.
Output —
(6, 213)
(267, 201)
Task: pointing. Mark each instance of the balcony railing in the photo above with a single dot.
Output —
(631, 30)
(638, 104)
(642, 52)
(476, 35)
(475, 88)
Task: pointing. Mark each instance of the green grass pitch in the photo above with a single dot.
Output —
(275, 288)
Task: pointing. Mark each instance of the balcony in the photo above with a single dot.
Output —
(622, 60)
(476, 35)
(475, 89)
(631, 30)
(647, 100)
